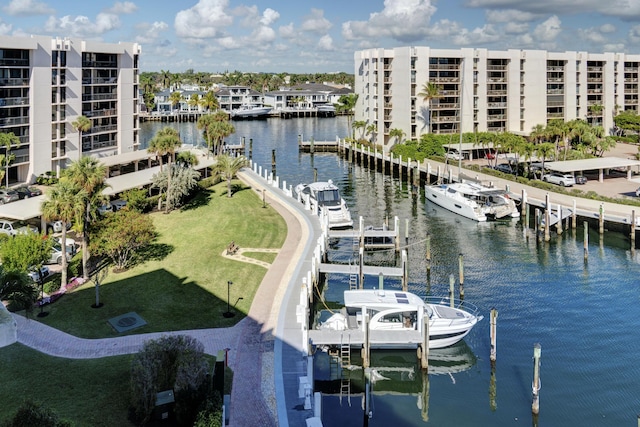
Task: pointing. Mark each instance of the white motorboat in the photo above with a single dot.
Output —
(326, 109)
(391, 310)
(250, 111)
(325, 196)
(473, 200)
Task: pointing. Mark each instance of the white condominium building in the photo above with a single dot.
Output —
(46, 84)
(481, 90)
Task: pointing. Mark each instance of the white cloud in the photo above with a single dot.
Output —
(123, 8)
(592, 35)
(548, 30)
(82, 25)
(608, 28)
(634, 34)
(151, 32)
(269, 16)
(27, 7)
(325, 43)
(287, 31)
(509, 16)
(403, 20)
(516, 28)
(208, 18)
(5, 28)
(478, 36)
(316, 22)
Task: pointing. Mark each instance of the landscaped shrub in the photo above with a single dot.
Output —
(52, 285)
(209, 182)
(31, 414)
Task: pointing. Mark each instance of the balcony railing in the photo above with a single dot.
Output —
(7, 102)
(100, 97)
(443, 66)
(8, 121)
(496, 92)
(443, 119)
(98, 129)
(497, 117)
(497, 104)
(555, 68)
(100, 113)
(14, 82)
(100, 80)
(440, 106)
(555, 115)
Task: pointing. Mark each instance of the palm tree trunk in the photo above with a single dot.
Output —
(63, 274)
(85, 244)
(166, 205)
(228, 186)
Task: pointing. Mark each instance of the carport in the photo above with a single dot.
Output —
(601, 164)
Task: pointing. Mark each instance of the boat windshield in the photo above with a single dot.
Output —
(328, 197)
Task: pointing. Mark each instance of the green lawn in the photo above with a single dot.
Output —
(184, 284)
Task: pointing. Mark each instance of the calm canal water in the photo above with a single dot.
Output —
(586, 316)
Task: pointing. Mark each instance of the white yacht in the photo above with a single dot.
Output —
(250, 111)
(473, 200)
(325, 195)
(391, 310)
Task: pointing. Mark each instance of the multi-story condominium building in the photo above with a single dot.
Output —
(46, 84)
(483, 90)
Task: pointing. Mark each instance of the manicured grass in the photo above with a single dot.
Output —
(92, 392)
(261, 256)
(184, 283)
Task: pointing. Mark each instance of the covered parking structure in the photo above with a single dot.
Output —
(471, 150)
(28, 209)
(602, 164)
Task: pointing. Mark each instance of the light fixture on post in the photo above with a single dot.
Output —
(228, 313)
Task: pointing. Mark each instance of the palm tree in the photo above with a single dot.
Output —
(429, 92)
(372, 130)
(64, 203)
(165, 77)
(7, 139)
(166, 141)
(209, 101)
(175, 98)
(88, 175)
(346, 104)
(81, 125)
(360, 124)
(227, 167)
(543, 151)
(398, 134)
(18, 289)
(194, 101)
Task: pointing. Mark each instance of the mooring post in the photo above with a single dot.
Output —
(405, 272)
(406, 230)
(574, 216)
(396, 227)
(452, 282)
(547, 218)
(361, 227)
(424, 353)
(586, 240)
(559, 224)
(461, 273)
(632, 235)
(366, 345)
(601, 220)
(523, 204)
(381, 281)
(494, 333)
(273, 162)
(428, 255)
(526, 218)
(315, 174)
(535, 406)
(361, 267)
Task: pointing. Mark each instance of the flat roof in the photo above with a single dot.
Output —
(591, 164)
(31, 208)
(125, 158)
(468, 146)
(23, 209)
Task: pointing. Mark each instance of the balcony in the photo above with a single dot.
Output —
(14, 82)
(444, 66)
(497, 67)
(13, 121)
(445, 119)
(100, 81)
(100, 113)
(496, 92)
(497, 117)
(99, 129)
(9, 102)
(595, 69)
(497, 105)
(555, 115)
(555, 68)
(555, 103)
(555, 91)
(100, 97)
(445, 106)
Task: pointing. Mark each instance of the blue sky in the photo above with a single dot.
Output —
(300, 36)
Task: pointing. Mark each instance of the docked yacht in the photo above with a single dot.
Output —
(250, 111)
(473, 200)
(326, 196)
(391, 311)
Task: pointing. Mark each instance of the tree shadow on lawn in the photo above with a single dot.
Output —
(153, 252)
(235, 188)
(202, 197)
(163, 300)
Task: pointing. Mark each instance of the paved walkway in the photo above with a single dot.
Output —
(250, 342)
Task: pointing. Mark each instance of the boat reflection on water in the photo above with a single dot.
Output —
(392, 372)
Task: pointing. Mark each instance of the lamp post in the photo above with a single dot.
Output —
(41, 281)
(264, 200)
(228, 313)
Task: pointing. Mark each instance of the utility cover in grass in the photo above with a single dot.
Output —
(127, 322)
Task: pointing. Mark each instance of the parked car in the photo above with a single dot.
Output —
(28, 191)
(581, 179)
(112, 206)
(563, 179)
(7, 196)
(13, 227)
(638, 192)
(56, 227)
(504, 167)
(33, 273)
(56, 254)
(453, 155)
(490, 155)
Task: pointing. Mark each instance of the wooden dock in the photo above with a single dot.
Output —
(313, 146)
(373, 238)
(373, 270)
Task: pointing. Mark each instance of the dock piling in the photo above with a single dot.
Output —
(494, 333)
(601, 220)
(547, 218)
(461, 273)
(535, 406)
(632, 235)
(586, 240)
(452, 282)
